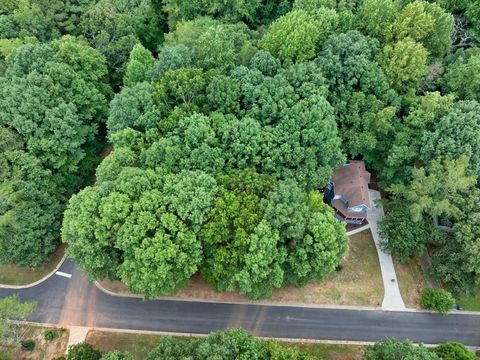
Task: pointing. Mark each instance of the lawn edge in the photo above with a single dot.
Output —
(17, 287)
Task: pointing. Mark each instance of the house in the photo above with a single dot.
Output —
(347, 192)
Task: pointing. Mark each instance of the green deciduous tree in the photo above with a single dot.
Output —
(135, 108)
(192, 145)
(61, 95)
(457, 264)
(228, 11)
(110, 32)
(413, 22)
(286, 209)
(308, 260)
(462, 76)
(241, 249)
(403, 237)
(184, 86)
(139, 64)
(364, 104)
(293, 37)
(406, 148)
(100, 258)
(455, 134)
(146, 17)
(30, 210)
(439, 41)
(309, 159)
(140, 229)
(378, 16)
(216, 45)
(160, 252)
(404, 64)
(434, 190)
(172, 58)
(242, 142)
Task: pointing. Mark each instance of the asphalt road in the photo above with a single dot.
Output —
(75, 301)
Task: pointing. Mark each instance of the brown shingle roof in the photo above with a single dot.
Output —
(351, 181)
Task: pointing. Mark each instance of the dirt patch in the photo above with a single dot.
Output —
(16, 275)
(44, 350)
(411, 281)
(358, 283)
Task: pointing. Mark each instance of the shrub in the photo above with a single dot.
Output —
(454, 351)
(438, 300)
(49, 335)
(391, 349)
(28, 345)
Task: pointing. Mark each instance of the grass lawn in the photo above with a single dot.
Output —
(359, 282)
(331, 351)
(14, 275)
(139, 345)
(470, 302)
(44, 350)
(411, 281)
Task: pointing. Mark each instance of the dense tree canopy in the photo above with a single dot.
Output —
(224, 121)
(52, 98)
(462, 76)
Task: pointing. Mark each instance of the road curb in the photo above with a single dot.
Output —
(18, 287)
(239, 302)
(266, 303)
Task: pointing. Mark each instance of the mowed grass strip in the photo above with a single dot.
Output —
(357, 283)
(411, 281)
(139, 345)
(331, 351)
(16, 275)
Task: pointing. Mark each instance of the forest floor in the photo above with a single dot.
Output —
(15, 275)
(358, 283)
(44, 350)
(139, 345)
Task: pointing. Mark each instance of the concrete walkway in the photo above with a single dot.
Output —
(392, 299)
(78, 334)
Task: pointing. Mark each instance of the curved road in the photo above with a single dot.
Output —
(74, 301)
